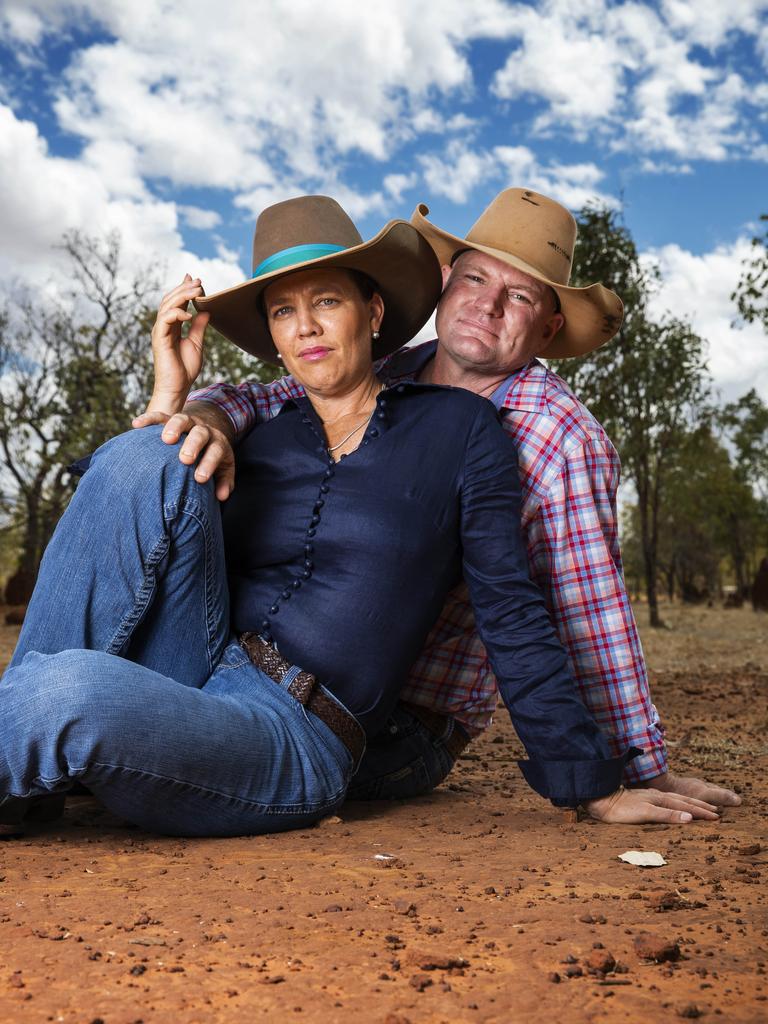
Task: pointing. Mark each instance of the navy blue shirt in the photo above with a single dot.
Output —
(346, 566)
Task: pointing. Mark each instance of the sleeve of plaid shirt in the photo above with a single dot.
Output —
(573, 552)
(250, 402)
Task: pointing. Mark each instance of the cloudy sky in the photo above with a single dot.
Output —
(177, 123)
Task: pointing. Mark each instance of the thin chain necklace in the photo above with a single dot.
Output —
(350, 434)
(358, 427)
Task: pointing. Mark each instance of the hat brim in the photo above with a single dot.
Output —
(398, 259)
(593, 315)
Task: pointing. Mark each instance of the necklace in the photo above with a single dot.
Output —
(350, 434)
(358, 427)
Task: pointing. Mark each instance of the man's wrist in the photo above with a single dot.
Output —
(212, 416)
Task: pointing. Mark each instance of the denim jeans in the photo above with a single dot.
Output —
(403, 761)
(126, 679)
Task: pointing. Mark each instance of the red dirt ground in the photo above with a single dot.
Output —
(492, 908)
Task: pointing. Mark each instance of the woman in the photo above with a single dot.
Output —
(353, 517)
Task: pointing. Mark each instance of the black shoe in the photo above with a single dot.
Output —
(12, 812)
(15, 811)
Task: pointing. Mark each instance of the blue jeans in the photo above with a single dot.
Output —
(403, 761)
(126, 679)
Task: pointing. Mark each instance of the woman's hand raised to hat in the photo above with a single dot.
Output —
(178, 360)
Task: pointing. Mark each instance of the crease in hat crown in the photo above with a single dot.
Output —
(310, 232)
(537, 235)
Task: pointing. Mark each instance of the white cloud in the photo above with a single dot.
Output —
(649, 166)
(396, 185)
(709, 23)
(699, 288)
(629, 72)
(21, 24)
(279, 86)
(203, 220)
(459, 171)
(42, 196)
(565, 59)
(357, 204)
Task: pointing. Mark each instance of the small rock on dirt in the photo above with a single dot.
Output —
(657, 948)
(690, 1012)
(404, 907)
(420, 982)
(435, 961)
(601, 960)
(664, 901)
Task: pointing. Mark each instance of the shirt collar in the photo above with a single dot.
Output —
(524, 390)
(406, 363)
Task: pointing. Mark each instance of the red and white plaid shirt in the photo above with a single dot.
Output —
(569, 473)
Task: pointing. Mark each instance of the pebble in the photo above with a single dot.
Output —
(601, 960)
(750, 851)
(420, 982)
(656, 948)
(691, 1011)
(435, 961)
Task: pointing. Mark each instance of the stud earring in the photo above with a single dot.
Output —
(279, 358)
(376, 335)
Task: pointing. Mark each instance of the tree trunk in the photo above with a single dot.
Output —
(739, 558)
(670, 573)
(22, 583)
(648, 538)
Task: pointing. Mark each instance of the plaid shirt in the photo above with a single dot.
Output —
(569, 472)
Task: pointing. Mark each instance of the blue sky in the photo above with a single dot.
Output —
(176, 125)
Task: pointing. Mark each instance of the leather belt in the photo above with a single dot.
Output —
(437, 724)
(306, 690)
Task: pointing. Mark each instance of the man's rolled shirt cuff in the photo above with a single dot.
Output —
(651, 764)
(570, 783)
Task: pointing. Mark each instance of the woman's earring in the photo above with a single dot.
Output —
(279, 358)
(376, 335)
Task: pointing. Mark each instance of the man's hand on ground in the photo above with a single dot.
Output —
(696, 788)
(205, 440)
(641, 806)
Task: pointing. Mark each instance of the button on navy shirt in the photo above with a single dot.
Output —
(345, 566)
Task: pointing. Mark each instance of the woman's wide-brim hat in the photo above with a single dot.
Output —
(537, 235)
(314, 231)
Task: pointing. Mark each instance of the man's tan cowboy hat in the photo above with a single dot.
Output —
(314, 231)
(536, 235)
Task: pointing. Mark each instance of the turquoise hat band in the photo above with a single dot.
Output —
(296, 254)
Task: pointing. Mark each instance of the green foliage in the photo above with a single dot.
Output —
(710, 512)
(649, 387)
(226, 362)
(751, 295)
(74, 369)
(73, 373)
(746, 425)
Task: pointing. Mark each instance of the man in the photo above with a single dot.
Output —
(506, 301)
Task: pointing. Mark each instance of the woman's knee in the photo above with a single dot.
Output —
(59, 690)
(139, 462)
(136, 451)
